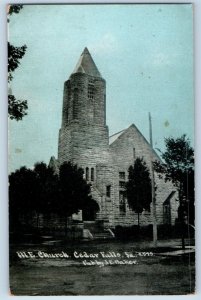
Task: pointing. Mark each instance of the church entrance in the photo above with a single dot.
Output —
(89, 212)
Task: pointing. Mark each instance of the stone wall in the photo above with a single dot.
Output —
(106, 178)
(84, 140)
(124, 150)
(130, 145)
(85, 145)
(84, 100)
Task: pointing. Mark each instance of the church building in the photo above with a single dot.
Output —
(84, 140)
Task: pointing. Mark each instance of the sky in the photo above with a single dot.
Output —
(144, 52)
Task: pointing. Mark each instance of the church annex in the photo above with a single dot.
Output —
(84, 140)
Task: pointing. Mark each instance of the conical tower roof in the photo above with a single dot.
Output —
(86, 65)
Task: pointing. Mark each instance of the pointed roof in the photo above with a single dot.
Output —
(118, 135)
(86, 65)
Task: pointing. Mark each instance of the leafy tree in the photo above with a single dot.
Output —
(178, 167)
(74, 190)
(17, 109)
(14, 8)
(14, 56)
(23, 191)
(32, 192)
(48, 190)
(138, 187)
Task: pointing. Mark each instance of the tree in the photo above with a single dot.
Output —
(48, 188)
(41, 191)
(138, 187)
(14, 8)
(74, 190)
(17, 109)
(32, 192)
(178, 167)
(23, 191)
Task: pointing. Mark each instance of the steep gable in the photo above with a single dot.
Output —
(128, 144)
(87, 65)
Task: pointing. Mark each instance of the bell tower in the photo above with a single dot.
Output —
(83, 137)
(84, 94)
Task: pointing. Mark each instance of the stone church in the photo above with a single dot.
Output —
(84, 140)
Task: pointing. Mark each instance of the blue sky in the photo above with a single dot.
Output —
(144, 52)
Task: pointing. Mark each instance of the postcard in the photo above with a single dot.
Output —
(101, 149)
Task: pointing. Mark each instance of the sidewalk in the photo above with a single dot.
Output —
(178, 252)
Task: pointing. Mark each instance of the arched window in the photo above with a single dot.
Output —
(92, 174)
(87, 174)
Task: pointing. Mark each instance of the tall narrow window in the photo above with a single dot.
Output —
(166, 212)
(108, 191)
(87, 174)
(122, 202)
(133, 153)
(122, 184)
(75, 104)
(90, 91)
(92, 174)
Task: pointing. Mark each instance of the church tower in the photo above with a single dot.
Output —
(84, 141)
(83, 137)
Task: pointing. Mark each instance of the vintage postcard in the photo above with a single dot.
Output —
(101, 149)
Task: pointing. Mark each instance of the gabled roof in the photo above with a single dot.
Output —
(86, 65)
(113, 138)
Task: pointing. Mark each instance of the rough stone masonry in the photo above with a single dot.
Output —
(84, 140)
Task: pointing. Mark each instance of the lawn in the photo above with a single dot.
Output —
(100, 268)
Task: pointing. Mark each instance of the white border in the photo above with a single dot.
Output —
(4, 272)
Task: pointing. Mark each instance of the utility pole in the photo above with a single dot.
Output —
(153, 188)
